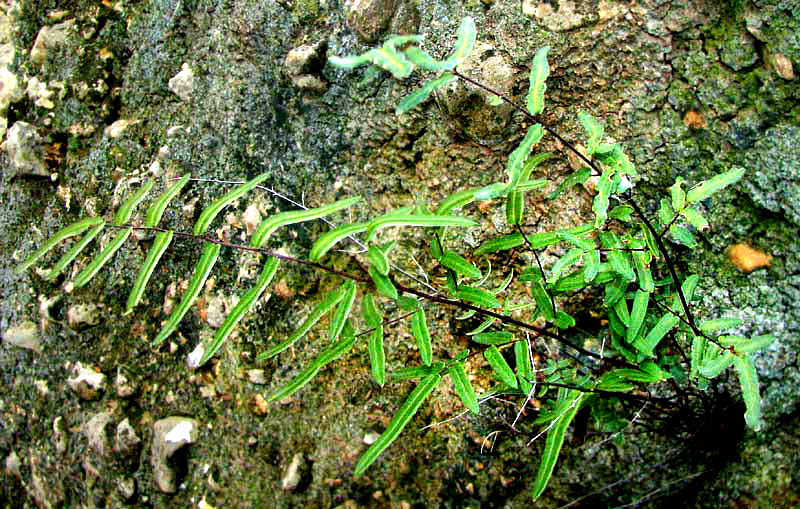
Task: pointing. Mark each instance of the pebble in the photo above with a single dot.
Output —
(125, 388)
(25, 150)
(293, 476)
(783, 66)
(88, 383)
(256, 376)
(24, 335)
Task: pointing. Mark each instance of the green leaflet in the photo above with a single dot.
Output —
(708, 187)
(531, 165)
(97, 263)
(748, 379)
(455, 201)
(201, 272)
(531, 185)
(378, 259)
(158, 207)
(478, 297)
(123, 215)
(482, 327)
(399, 421)
(652, 245)
(403, 374)
(404, 219)
(647, 344)
(502, 243)
(709, 326)
(697, 353)
(465, 41)
(615, 291)
(500, 366)
(210, 212)
(572, 257)
(416, 97)
(715, 362)
(619, 260)
(245, 303)
(577, 280)
(154, 254)
(377, 355)
(73, 252)
(268, 226)
(615, 159)
(326, 242)
(460, 265)
(683, 236)
(463, 387)
(641, 259)
(343, 310)
(583, 243)
(330, 300)
(621, 309)
(383, 284)
(747, 345)
(492, 191)
(493, 338)
(639, 311)
(665, 212)
(600, 203)
(613, 382)
(622, 213)
(515, 207)
(571, 402)
(591, 265)
(688, 287)
(75, 228)
(350, 62)
(571, 180)
(372, 315)
(327, 356)
(648, 373)
(390, 59)
(522, 355)
(678, 194)
(520, 154)
(594, 130)
(563, 320)
(419, 328)
(424, 60)
(695, 219)
(539, 73)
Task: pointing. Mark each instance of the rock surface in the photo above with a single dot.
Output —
(689, 88)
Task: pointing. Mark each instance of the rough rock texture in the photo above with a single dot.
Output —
(105, 113)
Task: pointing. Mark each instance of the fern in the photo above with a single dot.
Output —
(616, 255)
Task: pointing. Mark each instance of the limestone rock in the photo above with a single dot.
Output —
(370, 18)
(97, 430)
(126, 441)
(49, 37)
(169, 435)
(25, 149)
(82, 315)
(182, 83)
(10, 89)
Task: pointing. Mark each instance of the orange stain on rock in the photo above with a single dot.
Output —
(748, 259)
(695, 120)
